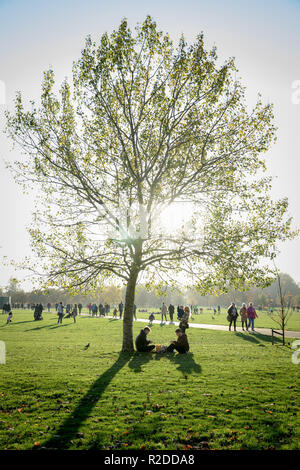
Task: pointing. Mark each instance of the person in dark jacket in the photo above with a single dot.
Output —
(180, 312)
(37, 315)
(232, 315)
(134, 311)
(143, 344)
(181, 345)
(121, 307)
(171, 312)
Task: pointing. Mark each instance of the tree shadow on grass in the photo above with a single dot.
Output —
(69, 428)
(139, 359)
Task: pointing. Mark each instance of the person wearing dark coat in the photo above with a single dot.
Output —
(232, 315)
(143, 344)
(37, 315)
(180, 312)
(121, 307)
(181, 345)
(171, 312)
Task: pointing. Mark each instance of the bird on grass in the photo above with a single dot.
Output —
(87, 346)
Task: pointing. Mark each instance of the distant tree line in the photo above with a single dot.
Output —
(149, 298)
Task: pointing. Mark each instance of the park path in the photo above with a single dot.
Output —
(262, 331)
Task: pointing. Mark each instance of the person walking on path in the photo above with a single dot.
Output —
(121, 307)
(60, 312)
(171, 312)
(232, 315)
(143, 344)
(243, 315)
(74, 313)
(163, 312)
(134, 311)
(180, 312)
(79, 308)
(251, 315)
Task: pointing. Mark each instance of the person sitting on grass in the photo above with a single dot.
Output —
(181, 345)
(143, 344)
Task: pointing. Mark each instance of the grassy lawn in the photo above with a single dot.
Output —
(232, 391)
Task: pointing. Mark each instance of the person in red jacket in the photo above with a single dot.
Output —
(251, 315)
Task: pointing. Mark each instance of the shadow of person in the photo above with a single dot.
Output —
(256, 338)
(18, 322)
(69, 428)
(186, 363)
(139, 359)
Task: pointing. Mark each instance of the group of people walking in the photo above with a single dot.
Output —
(102, 309)
(71, 313)
(247, 315)
(183, 313)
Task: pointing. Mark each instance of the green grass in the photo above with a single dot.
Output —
(232, 391)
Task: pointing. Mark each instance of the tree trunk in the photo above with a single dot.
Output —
(129, 300)
(128, 314)
(283, 328)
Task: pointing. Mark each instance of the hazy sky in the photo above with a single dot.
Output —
(263, 36)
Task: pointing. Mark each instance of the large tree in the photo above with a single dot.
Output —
(146, 124)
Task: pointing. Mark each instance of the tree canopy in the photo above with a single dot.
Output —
(143, 125)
